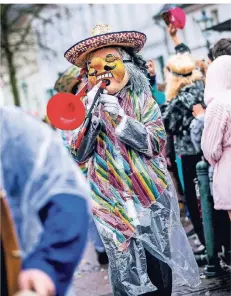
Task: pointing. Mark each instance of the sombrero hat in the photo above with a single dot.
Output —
(68, 79)
(103, 37)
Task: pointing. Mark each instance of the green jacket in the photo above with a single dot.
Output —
(158, 95)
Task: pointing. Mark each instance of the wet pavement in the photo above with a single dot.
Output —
(209, 287)
(92, 280)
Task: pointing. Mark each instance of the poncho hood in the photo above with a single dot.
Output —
(218, 79)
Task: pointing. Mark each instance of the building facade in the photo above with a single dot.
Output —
(76, 22)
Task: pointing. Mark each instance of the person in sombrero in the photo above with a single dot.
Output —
(134, 201)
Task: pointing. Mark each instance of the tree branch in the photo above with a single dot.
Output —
(22, 10)
(23, 36)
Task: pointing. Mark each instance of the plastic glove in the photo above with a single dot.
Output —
(111, 105)
(91, 95)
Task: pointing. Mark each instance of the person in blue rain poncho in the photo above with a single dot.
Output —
(46, 194)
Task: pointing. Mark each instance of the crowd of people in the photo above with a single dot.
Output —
(187, 85)
(138, 155)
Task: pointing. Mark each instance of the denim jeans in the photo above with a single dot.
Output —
(95, 237)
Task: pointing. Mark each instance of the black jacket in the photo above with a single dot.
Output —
(178, 116)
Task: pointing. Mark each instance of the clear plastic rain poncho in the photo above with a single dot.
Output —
(135, 204)
(34, 167)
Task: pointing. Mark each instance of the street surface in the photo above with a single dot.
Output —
(92, 280)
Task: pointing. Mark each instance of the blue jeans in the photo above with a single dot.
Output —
(95, 237)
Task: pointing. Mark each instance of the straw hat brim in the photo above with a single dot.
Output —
(77, 53)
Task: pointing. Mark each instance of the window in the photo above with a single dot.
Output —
(214, 15)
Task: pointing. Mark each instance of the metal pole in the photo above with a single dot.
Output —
(213, 266)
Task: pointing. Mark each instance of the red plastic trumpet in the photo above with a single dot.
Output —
(67, 112)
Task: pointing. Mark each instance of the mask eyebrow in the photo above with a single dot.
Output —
(110, 55)
(111, 58)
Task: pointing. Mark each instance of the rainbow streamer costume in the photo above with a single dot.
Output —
(134, 202)
(117, 172)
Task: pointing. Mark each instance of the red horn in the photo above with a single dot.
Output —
(66, 111)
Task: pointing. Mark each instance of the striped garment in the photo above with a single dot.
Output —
(116, 171)
(66, 136)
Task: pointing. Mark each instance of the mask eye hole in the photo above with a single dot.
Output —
(111, 58)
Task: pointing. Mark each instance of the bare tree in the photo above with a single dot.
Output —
(19, 37)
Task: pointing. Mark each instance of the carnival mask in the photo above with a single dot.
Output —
(107, 63)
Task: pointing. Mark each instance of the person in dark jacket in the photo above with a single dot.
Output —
(184, 89)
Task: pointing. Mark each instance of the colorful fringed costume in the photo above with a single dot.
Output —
(134, 201)
(117, 172)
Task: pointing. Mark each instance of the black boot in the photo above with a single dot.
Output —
(102, 257)
(160, 275)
